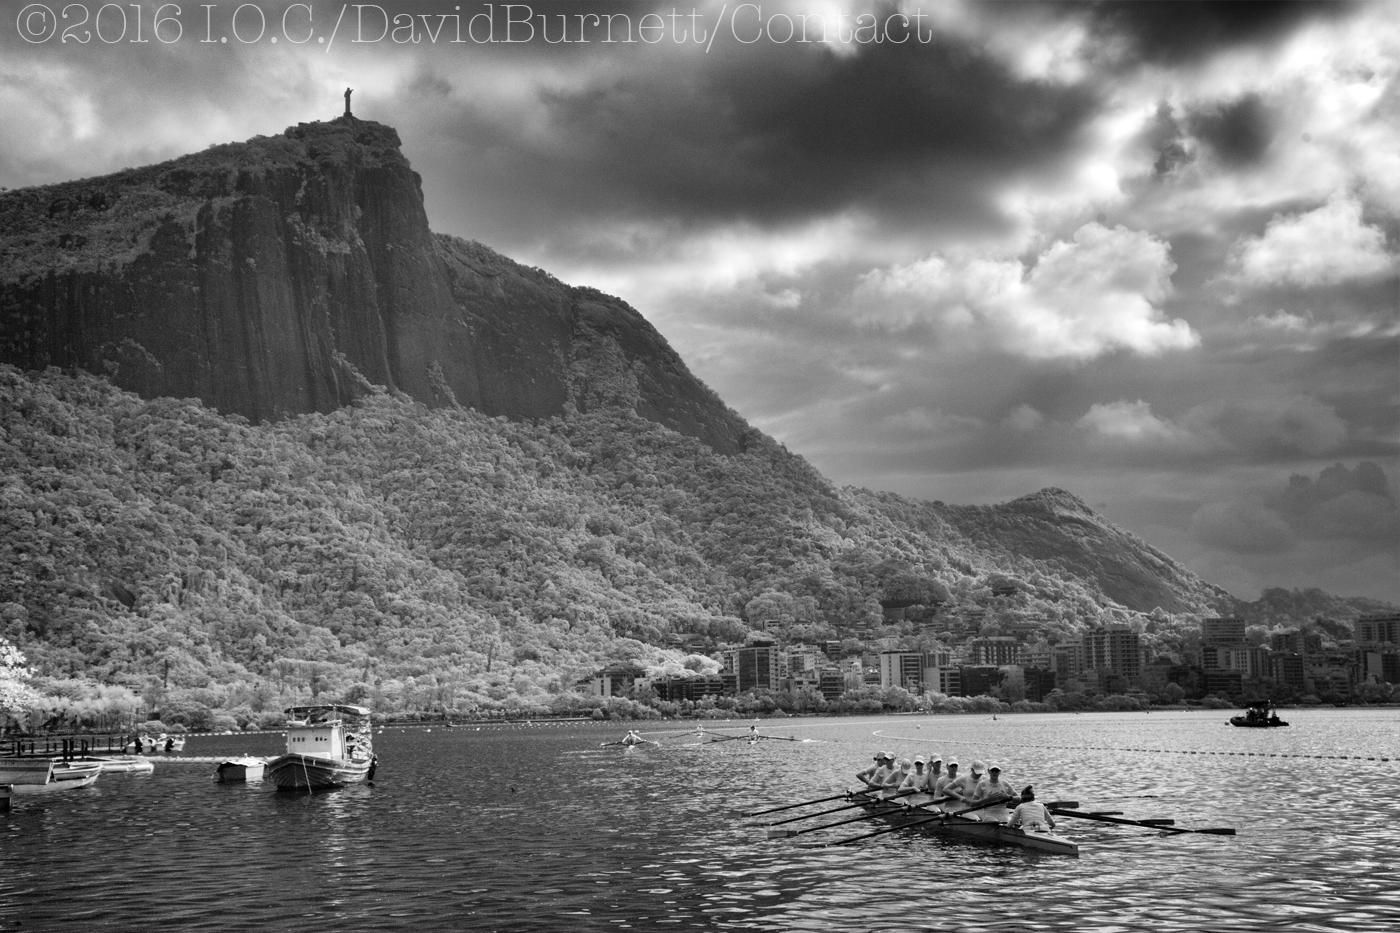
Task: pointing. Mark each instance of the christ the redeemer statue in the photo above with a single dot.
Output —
(347, 101)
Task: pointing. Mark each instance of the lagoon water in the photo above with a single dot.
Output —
(534, 829)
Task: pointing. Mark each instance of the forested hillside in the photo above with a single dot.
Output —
(444, 558)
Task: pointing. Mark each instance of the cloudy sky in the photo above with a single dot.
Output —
(1146, 252)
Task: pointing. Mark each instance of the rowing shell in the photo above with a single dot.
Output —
(969, 827)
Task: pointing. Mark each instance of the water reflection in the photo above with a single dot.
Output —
(543, 829)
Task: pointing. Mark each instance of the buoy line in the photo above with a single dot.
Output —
(1158, 751)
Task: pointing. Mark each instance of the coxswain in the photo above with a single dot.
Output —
(1030, 814)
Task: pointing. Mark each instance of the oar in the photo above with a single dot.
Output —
(784, 833)
(919, 822)
(1149, 824)
(793, 806)
(859, 803)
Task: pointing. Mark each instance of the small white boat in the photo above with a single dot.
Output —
(133, 764)
(46, 776)
(239, 770)
(26, 770)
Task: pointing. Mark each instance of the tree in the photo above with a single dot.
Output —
(15, 693)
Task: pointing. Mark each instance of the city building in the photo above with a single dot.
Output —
(1067, 661)
(1294, 641)
(1115, 651)
(904, 669)
(978, 679)
(995, 650)
(688, 688)
(1377, 629)
(756, 666)
(1287, 669)
(1222, 632)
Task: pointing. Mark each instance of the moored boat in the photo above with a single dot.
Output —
(327, 746)
(969, 827)
(236, 770)
(133, 764)
(45, 775)
(26, 770)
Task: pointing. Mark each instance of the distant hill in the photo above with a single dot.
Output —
(263, 434)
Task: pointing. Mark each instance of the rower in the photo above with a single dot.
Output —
(867, 777)
(991, 789)
(897, 776)
(935, 774)
(881, 778)
(1030, 814)
(963, 788)
(917, 780)
(940, 786)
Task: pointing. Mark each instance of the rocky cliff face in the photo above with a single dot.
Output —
(292, 273)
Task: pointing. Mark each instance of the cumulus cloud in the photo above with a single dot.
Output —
(1341, 502)
(1131, 423)
(1099, 291)
(1324, 246)
(1268, 426)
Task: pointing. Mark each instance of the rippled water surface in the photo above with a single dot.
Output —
(543, 829)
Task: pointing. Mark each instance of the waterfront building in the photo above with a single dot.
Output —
(1116, 650)
(1377, 629)
(904, 669)
(756, 666)
(996, 650)
(1222, 632)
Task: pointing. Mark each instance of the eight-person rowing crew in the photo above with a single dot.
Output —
(981, 788)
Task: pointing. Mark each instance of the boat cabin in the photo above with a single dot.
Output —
(1261, 711)
(334, 731)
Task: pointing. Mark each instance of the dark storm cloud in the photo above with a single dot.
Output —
(1182, 31)
(783, 132)
(1237, 132)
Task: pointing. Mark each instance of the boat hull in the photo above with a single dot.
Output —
(311, 772)
(25, 770)
(1246, 723)
(239, 770)
(971, 829)
(131, 764)
(61, 776)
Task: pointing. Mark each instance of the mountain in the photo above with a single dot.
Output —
(263, 434)
(288, 274)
